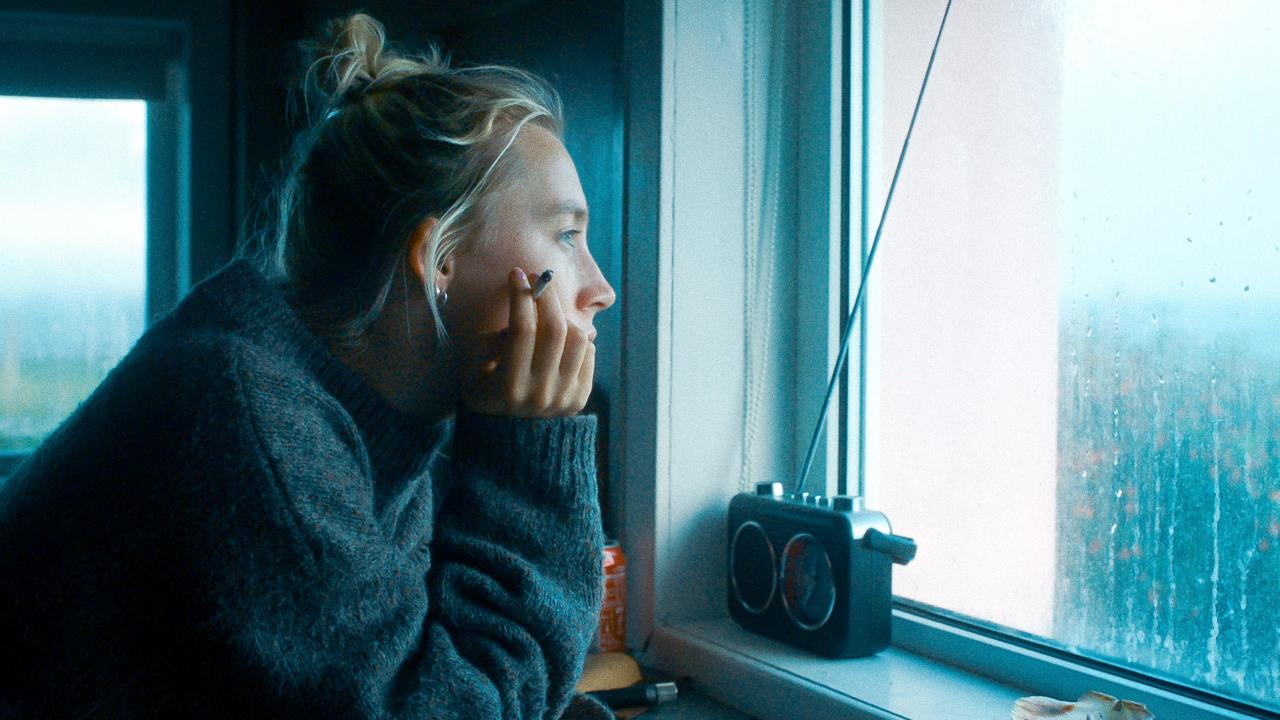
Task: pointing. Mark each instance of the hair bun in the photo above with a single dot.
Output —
(349, 60)
(354, 57)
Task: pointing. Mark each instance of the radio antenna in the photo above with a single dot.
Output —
(866, 265)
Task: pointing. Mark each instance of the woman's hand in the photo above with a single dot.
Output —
(545, 364)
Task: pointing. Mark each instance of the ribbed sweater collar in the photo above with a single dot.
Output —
(241, 299)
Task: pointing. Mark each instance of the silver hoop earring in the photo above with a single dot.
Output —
(442, 299)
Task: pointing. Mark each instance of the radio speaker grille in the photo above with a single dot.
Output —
(753, 570)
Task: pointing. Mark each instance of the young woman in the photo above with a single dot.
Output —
(353, 484)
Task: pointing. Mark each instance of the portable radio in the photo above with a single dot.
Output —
(813, 571)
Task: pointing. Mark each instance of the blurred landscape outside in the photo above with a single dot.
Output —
(1073, 401)
(73, 254)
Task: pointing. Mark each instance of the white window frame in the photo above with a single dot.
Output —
(681, 294)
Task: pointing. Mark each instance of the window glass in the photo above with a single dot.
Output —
(1074, 332)
(73, 249)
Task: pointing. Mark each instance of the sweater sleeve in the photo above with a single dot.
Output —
(522, 531)
(318, 607)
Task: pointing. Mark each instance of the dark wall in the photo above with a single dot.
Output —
(264, 63)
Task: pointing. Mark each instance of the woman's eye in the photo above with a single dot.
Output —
(568, 236)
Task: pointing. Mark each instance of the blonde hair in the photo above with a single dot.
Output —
(393, 139)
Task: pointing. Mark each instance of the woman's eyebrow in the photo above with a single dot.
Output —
(568, 207)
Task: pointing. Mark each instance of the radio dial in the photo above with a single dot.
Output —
(847, 503)
(771, 489)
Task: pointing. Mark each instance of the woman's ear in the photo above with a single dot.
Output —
(444, 273)
(420, 249)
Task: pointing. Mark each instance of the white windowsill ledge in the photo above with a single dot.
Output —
(772, 681)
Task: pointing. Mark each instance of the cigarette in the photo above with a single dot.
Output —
(541, 283)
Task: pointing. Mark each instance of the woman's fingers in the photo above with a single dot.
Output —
(576, 348)
(522, 332)
(546, 365)
(585, 378)
(553, 332)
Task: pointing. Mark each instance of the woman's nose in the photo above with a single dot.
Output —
(597, 294)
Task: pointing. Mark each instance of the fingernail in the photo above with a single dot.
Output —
(518, 276)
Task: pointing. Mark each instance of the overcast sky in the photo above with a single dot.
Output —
(1170, 155)
(72, 196)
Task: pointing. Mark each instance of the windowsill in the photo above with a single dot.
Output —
(768, 679)
(773, 681)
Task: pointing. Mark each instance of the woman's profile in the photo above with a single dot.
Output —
(347, 477)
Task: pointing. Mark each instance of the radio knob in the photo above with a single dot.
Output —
(771, 489)
(847, 503)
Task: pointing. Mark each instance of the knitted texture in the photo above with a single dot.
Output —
(235, 525)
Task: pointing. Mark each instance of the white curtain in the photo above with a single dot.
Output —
(770, 80)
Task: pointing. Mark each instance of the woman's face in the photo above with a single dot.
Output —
(538, 221)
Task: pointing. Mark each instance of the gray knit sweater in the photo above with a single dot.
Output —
(234, 525)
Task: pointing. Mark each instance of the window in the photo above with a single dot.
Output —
(1070, 398)
(94, 146)
(73, 284)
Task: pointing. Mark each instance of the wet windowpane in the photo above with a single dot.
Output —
(72, 254)
(1074, 402)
